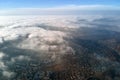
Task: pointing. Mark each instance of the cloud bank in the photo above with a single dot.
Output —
(26, 42)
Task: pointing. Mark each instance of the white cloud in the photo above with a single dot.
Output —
(39, 38)
(2, 65)
(1, 55)
(8, 74)
(20, 58)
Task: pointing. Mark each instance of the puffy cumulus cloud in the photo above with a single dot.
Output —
(34, 31)
(46, 41)
(44, 34)
(5, 68)
(1, 55)
(8, 74)
(44, 37)
(20, 58)
(2, 64)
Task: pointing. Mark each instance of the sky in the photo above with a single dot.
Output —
(45, 6)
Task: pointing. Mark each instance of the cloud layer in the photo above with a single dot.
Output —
(30, 41)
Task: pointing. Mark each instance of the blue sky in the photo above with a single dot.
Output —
(8, 4)
(55, 6)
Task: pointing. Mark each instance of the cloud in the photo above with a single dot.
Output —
(35, 36)
(44, 36)
(48, 44)
(2, 66)
(67, 9)
(8, 74)
(1, 55)
(20, 58)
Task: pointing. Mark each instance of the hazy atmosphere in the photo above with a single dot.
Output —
(59, 40)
